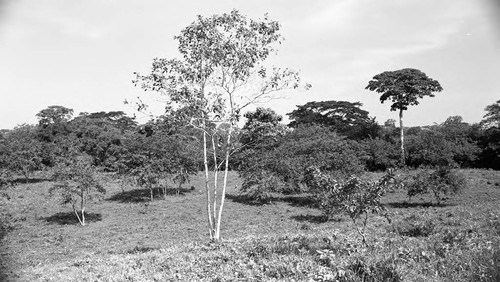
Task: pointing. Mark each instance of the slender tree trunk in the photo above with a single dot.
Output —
(402, 137)
(223, 194)
(82, 206)
(83, 216)
(216, 175)
(26, 176)
(76, 213)
(207, 185)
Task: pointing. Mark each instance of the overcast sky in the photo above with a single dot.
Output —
(82, 54)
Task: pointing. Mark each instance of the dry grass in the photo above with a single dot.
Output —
(130, 238)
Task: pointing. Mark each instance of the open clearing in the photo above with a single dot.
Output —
(129, 238)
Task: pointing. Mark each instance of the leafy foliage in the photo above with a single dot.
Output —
(21, 152)
(283, 162)
(441, 182)
(429, 148)
(346, 118)
(221, 55)
(160, 155)
(77, 183)
(492, 117)
(489, 143)
(355, 197)
(100, 135)
(490, 138)
(53, 123)
(414, 226)
(403, 88)
(380, 154)
(263, 124)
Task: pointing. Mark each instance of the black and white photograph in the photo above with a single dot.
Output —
(330, 140)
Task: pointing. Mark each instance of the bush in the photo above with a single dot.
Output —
(285, 160)
(412, 226)
(380, 271)
(441, 182)
(355, 197)
(381, 154)
(258, 185)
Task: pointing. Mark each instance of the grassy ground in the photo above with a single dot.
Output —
(129, 238)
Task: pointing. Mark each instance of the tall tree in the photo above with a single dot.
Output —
(53, 123)
(221, 72)
(492, 117)
(100, 135)
(490, 137)
(403, 88)
(345, 117)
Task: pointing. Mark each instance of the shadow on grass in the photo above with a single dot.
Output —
(310, 218)
(67, 218)
(23, 180)
(403, 205)
(293, 200)
(140, 250)
(144, 195)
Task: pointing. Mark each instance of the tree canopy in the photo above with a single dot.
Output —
(220, 73)
(492, 117)
(347, 118)
(403, 87)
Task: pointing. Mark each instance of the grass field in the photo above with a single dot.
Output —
(129, 238)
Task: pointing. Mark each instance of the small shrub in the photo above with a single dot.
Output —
(413, 227)
(258, 185)
(441, 182)
(380, 271)
(354, 196)
(140, 250)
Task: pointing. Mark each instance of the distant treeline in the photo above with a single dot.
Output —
(332, 134)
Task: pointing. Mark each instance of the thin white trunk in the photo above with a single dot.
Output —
(207, 185)
(223, 194)
(77, 216)
(83, 216)
(216, 175)
(82, 206)
(401, 130)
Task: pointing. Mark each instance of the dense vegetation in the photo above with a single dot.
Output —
(332, 196)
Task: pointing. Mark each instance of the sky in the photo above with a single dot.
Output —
(82, 54)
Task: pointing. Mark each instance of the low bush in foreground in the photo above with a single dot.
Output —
(441, 182)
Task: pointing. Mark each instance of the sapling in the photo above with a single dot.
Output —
(219, 74)
(76, 184)
(355, 197)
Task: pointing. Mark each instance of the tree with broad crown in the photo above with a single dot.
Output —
(345, 117)
(492, 117)
(53, 123)
(220, 74)
(21, 152)
(403, 88)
